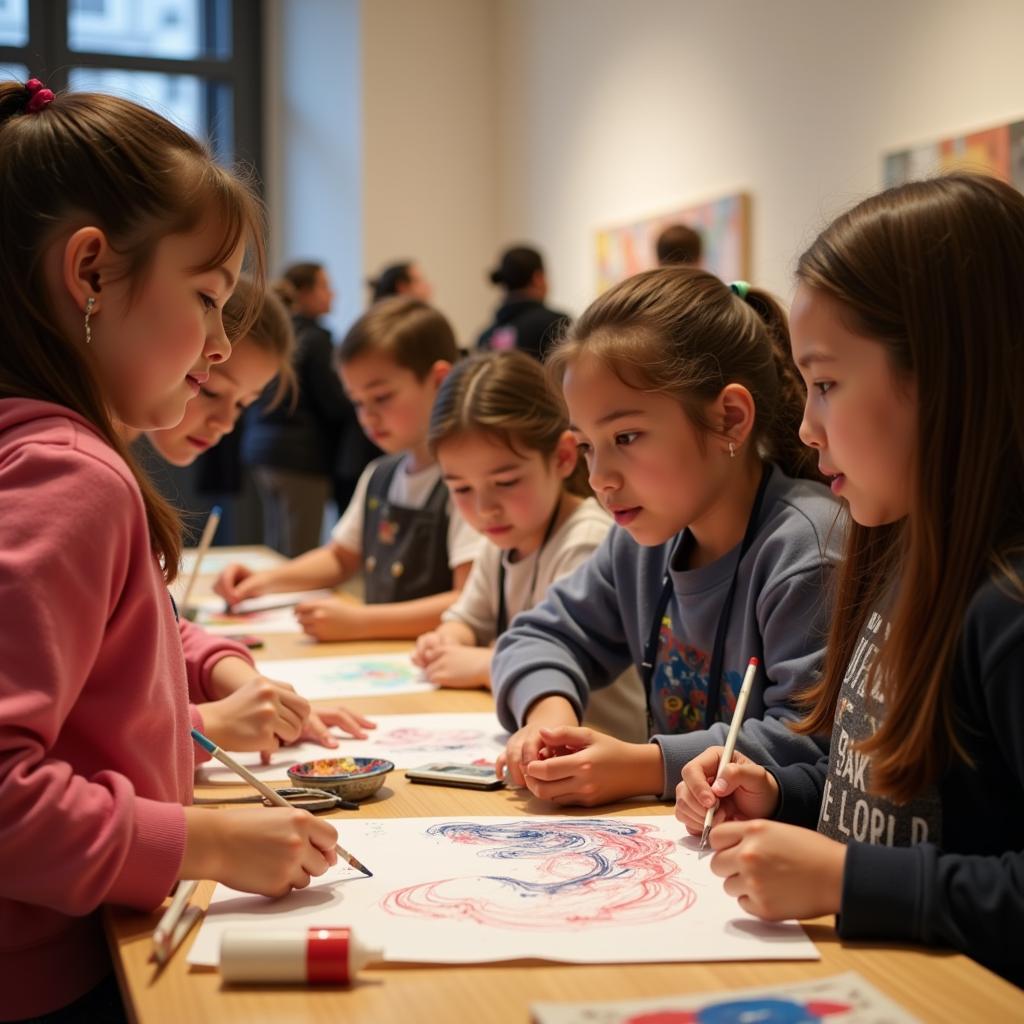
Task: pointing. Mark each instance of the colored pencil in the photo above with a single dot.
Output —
(175, 924)
(730, 741)
(271, 794)
(204, 545)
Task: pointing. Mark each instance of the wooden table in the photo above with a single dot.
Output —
(936, 986)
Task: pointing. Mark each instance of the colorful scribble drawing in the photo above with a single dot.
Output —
(577, 873)
(377, 674)
(430, 740)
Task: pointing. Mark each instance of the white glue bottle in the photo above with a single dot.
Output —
(313, 956)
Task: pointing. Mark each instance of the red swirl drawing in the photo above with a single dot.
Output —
(575, 874)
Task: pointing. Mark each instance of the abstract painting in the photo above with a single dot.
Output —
(577, 890)
(724, 227)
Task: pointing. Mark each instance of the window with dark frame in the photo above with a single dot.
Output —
(197, 62)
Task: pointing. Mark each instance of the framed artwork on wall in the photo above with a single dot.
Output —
(724, 227)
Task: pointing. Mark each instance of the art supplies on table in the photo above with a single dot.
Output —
(271, 795)
(353, 675)
(405, 740)
(212, 522)
(217, 560)
(271, 613)
(839, 999)
(730, 741)
(176, 922)
(313, 956)
(482, 889)
(463, 776)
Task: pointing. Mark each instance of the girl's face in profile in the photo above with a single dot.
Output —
(860, 416)
(232, 387)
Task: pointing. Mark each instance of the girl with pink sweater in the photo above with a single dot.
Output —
(120, 241)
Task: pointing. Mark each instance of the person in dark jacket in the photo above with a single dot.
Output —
(292, 448)
(522, 320)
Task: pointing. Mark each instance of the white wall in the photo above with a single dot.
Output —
(612, 110)
(430, 140)
(313, 142)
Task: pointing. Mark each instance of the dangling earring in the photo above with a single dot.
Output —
(89, 303)
(732, 450)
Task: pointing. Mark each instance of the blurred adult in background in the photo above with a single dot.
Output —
(400, 279)
(522, 320)
(679, 244)
(292, 448)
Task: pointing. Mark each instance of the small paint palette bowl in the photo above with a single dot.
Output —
(351, 778)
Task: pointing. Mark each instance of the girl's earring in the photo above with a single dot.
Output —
(89, 303)
(732, 450)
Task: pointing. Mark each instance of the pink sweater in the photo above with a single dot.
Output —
(95, 755)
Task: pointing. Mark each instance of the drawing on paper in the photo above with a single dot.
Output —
(412, 740)
(841, 999)
(380, 675)
(574, 874)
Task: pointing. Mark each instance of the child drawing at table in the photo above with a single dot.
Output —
(120, 241)
(908, 328)
(501, 436)
(250, 712)
(685, 403)
(413, 550)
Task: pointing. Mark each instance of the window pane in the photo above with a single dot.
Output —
(201, 107)
(13, 22)
(173, 29)
(16, 71)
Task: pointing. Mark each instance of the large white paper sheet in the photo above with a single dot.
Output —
(578, 890)
(407, 740)
(841, 999)
(369, 675)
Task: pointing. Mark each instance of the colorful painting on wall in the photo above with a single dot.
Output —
(997, 151)
(724, 227)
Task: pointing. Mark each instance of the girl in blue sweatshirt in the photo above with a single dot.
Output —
(685, 403)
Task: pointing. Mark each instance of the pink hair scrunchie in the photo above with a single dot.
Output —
(39, 96)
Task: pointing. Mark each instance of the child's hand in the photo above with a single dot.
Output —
(526, 745)
(259, 715)
(460, 667)
(236, 583)
(318, 725)
(583, 767)
(428, 647)
(269, 852)
(330, 618)
(779, 871)
(745, 791)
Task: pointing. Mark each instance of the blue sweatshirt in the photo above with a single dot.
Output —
(595, 623)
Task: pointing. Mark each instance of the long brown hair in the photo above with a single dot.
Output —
(681, 332)
(505, 395)
(931, 270)
(104, 161)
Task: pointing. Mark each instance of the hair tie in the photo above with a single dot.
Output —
(740, 288)
(38, 96)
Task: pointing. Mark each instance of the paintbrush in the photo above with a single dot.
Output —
(271, 794)
(730, 741)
